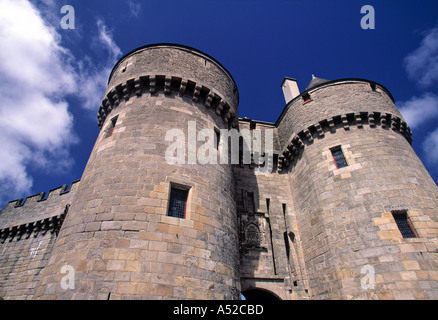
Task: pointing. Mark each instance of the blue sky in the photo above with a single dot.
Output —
(53, 79)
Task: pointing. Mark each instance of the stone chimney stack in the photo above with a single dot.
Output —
(290, 89)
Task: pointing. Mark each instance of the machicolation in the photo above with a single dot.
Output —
(348, 210)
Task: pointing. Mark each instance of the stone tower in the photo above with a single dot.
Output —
(363, 203)
(348, 210)
(119, 235)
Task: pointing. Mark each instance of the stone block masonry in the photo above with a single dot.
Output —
(28, 231)
(138, 227)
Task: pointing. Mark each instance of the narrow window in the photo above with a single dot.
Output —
(252, 125)
(217, 137)
(110, 129)
(404, 224)
(306, 97)
(178, 202)
(339, 158)
(250, 202)
(286, 240)
(287, 246)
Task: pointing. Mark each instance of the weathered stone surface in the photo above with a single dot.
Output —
(306, 230)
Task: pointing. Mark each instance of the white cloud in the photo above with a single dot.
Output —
(430, 147)
(105, 37)
(35, 75)
(32, 55)
(94, 78)
(134, 8)
(422, 64)
(419, 110)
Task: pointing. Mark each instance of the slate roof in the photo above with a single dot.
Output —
(315, 82)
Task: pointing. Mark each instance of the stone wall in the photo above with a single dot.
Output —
(37, 207)
(172, 68)
(176, 61)
(272, 261)
(22, 260)
(28, 230)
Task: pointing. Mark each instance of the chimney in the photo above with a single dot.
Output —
(290, 89)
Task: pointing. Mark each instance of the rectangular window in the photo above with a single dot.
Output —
(339, 158)
(178, 202)
(404, 224)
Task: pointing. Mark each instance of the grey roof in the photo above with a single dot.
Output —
(315, 82)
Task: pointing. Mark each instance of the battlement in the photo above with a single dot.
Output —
(152, 84)
(172, 69)
(341, 191)
(330, 125)
(37, 207)
(327, 100)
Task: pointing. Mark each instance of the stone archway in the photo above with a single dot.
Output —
(259, 294)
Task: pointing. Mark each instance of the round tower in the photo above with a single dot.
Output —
(364, 202)
(141, 225)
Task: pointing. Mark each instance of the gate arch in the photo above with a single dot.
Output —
(259, 294)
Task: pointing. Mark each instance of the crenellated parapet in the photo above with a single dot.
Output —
(318, 130)
(152, 84)
(37, 207)
(172, 69)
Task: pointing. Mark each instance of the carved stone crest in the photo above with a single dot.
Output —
(253, 231)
